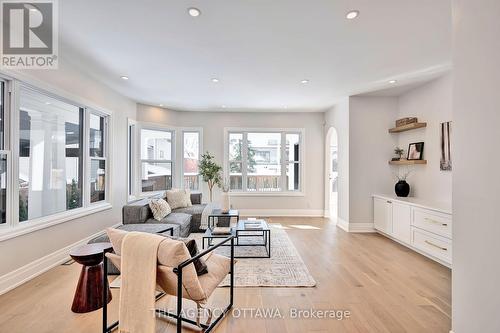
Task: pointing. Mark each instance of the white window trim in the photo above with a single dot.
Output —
(12, 228)
(284, 193)
(155, 127)
(181, 131)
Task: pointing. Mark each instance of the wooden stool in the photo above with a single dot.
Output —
(88, 294)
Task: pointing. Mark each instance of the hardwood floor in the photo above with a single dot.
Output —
(385, 287)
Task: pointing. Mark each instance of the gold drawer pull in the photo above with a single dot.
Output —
(435, 222)
(439, 247)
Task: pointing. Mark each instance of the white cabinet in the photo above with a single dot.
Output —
(401, 222)
(382, 215)
(424, 228)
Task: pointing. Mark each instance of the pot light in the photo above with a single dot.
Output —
(392, 81)
(304, 81)
(352, 14)
(215, 80)
(223, 106)
(194, 12)
(161, 104)
(124, 77)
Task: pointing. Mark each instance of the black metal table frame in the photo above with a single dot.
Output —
(211, 218)
(265, 234)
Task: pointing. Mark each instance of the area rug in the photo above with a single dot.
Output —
(285, 268)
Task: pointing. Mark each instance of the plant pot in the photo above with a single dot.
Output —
(225, 202)
(402, 188)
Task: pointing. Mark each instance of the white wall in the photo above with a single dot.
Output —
(476, 184)
(430, 103)
(213, 124)
(22, 250)
(338, 117)
(371, 147)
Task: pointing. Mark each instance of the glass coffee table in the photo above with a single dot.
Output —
(244, 236)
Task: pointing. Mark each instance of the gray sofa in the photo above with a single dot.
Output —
(185, 220)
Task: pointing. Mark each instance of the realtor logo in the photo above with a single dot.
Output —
(29, 34)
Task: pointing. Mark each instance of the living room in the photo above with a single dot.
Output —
(249, 166)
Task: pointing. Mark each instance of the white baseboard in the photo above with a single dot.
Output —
(343, 224)
(282, 212)
(355, 227)
(23, 274)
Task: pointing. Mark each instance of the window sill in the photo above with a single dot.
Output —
(266, 194)
(45, 222)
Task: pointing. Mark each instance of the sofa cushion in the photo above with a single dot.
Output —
(195, 211)
(136, 212)
(180, 219)
(178, 198)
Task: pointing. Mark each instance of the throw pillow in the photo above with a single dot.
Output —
(178, 198)
(199, 264)
(160, 208)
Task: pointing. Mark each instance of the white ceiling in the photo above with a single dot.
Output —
(259, 49)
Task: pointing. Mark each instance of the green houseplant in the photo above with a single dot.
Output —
(210, 171)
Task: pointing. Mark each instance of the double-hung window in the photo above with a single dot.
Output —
(4, 158)
(264, 161)
(156, 159)
(97, 156)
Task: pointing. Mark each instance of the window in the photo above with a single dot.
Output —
(156, 160)
(97, 156)
(4, 155)
(131, 149)
(264, 161)
(191, 157)
(50, 155)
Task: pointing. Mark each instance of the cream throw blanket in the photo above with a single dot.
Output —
(139, 255)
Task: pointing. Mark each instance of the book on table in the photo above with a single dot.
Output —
(221, 231)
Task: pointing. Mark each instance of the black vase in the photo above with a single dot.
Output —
(402, 188)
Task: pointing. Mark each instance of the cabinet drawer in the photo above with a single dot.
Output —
(432, 221)
(432, 244)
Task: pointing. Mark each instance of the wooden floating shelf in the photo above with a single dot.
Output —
(408, 127)
(408, 162)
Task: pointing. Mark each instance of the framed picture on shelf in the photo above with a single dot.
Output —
(416, 151)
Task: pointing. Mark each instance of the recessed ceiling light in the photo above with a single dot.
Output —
(223, 106)
(48, 103)
(194, 12)
(392, 81)
(161, 104)
(124, 77)
(304, 81)
(215, 80)
(352, 14)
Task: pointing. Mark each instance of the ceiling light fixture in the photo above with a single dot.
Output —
(304, 81)
(124, 77)
(161, 104)
(392, 81)
(215, 80)
(194, 12)
(223, 106)
(352, 14)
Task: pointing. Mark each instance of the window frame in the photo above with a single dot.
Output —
(173, 156)
(105, 155)
(132, 149)
(182, 131)
(13, 228)
(283, 162)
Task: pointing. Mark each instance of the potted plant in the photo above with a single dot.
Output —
(210, 171)
(400, 152)
(402, 188)
(225, 198)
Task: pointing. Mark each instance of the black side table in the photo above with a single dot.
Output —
(216, 213)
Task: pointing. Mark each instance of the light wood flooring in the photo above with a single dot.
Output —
(385, 287)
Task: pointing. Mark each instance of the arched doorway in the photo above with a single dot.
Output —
(331, 174)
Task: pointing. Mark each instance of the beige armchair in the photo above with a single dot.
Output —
(176, 276)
